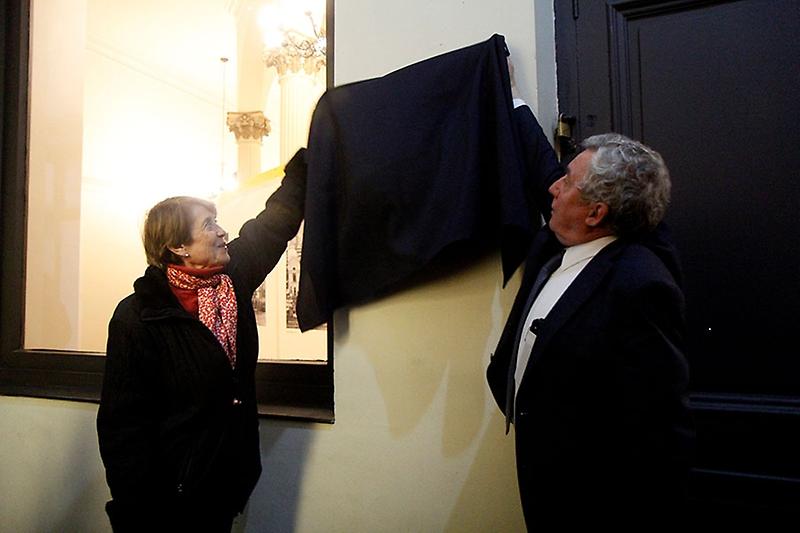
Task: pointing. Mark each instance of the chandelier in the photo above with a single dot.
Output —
(289, 47)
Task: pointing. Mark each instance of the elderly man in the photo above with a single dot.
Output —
(590, 366)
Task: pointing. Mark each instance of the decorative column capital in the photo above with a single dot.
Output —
(286, 62)
(247, 125)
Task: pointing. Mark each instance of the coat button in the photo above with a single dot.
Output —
(237, 401)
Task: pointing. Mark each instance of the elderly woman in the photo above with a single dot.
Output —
(177, 423)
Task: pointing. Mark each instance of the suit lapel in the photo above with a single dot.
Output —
(575, 296)
(543, 247)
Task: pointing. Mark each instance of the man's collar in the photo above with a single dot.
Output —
(581, 252)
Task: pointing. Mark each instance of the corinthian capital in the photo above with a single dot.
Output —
(248, 125)
(286, 61)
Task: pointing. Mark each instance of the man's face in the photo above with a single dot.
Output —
(569, 211)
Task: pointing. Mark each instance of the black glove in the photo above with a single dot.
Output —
(286, 206)
(292, 191)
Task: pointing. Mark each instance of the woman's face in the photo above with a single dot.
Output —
(208, 247)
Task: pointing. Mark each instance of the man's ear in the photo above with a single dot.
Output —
(597, 214)
(177, 250)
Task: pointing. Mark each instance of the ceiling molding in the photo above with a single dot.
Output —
(179, 83)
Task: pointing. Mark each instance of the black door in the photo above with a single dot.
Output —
(715, 87)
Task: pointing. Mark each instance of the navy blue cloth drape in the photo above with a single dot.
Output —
(404, 166)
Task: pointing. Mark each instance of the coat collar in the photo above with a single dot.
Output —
(157, 300)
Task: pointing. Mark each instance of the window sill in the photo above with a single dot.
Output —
(288, 390)
(303, 414)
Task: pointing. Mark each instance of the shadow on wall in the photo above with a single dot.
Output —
(494, 458)
(418, 439)
(275, 500)
(439, 343)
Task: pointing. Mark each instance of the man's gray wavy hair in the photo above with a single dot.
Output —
(630, 178)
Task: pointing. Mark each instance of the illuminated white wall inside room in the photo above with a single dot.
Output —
(114, 129)
(128, 106)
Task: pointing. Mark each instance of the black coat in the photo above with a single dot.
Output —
(602, 421)
(177, 426)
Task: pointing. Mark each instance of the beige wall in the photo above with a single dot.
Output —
(418, 444)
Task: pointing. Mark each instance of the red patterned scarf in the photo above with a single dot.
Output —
(215, 302)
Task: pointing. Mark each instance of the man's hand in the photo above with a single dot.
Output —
(514, 91)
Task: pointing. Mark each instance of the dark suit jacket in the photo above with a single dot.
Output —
(601, 421)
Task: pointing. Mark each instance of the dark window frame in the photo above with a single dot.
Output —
(295, 390)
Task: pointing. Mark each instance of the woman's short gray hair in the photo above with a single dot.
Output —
(630, 178)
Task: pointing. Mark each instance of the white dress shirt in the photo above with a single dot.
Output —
(575, 260)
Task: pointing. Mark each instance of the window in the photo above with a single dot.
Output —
(114, 125)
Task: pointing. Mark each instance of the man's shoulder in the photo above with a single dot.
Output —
(639, 264)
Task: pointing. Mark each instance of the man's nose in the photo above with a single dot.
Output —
(556, 186)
